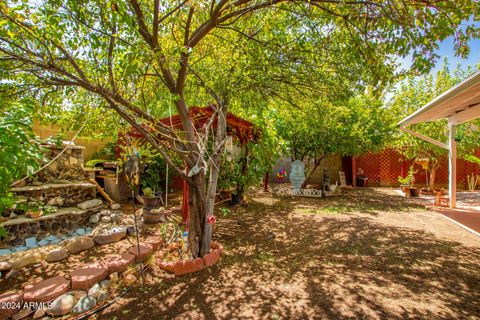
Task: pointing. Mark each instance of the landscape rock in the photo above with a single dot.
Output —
(109, 236)
(93, 291)
(106, 219)
(114, 277)
(39, 313)
(78, 294)
(79, 244)
(6, 265)
(12, 274)
(89, 204)
(57, 255)
(116, 206)
(94, 218)
(57, 201)
(129, 280)
(28, 259)
(80, 231)
(105, 284)
(84, 304)
(105, 212)
(62, 305)
(102, 295)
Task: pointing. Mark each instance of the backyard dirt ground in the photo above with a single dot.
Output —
(367, 254)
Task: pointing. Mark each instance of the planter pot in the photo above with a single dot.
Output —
(414, 192)
(406, 191)
(34, 214)
(153, 202)
(152, 218)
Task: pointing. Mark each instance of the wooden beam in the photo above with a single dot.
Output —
(425, 138)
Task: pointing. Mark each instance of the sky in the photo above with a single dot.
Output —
(446, 50)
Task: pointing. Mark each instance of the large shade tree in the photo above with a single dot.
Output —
(138, 58)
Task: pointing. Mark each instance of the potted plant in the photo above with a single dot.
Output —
(150, 199)
(407, 184)
(34, 212)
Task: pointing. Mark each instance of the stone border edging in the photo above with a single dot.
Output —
(182, 267)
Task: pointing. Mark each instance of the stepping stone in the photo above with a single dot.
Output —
(113, 235)
(4, 252)
(46, 290)
(120, 263)
(156, 243)
(31, 242)
(14, 300)
(85, 277)
(146, 249)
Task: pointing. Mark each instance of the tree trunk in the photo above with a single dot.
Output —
(317, 164)
(214, 168)
(431, 179)
(197, 218)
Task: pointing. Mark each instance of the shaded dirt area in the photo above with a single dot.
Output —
(368, 254)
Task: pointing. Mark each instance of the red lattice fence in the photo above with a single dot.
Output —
(384, 168)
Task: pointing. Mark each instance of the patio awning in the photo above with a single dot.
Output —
(459, 104)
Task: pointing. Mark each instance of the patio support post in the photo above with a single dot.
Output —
(452, 164)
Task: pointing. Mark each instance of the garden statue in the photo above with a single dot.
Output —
(325, 182)
(297, 175)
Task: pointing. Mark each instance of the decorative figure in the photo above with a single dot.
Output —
(325, 182)
(297, 175)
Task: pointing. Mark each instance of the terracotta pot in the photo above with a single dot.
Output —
(152, 218)
(34, 214)
(414, 192)
(153, 202)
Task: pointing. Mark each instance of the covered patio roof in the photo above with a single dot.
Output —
(459, 104)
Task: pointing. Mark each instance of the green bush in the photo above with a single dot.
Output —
(20, 153)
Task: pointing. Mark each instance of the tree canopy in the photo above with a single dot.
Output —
(135, 60)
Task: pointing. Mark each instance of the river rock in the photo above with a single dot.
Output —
(109, 236)
(12, 274)
(93, 292)
(57, 255)
(116, 206)
(84, 304)
(62, 305)
(106, 219)
(94, 218)
(6, 265)
(89, 204)
(79, 244)
(102, 295)
(39, 313)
